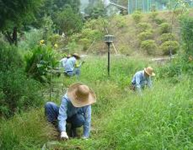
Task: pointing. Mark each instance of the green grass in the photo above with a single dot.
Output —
(161, 119)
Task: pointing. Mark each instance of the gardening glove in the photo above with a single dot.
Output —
(64, 135)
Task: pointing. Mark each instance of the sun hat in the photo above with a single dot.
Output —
(76, 55)
(81, 95)
(149, 71)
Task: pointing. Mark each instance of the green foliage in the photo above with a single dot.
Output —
(167, 37)
(91, 34)
(159, 120)
(20, 11)
(54, 39)
(145, 35)
(137, 16)
(144, 27)
(68, 22)
(149, 46)
(85, 42)
(29, 39)
(187, 34)
(26, 131)
(168, 46)
(39, 61)
(17, 92)
(95, 10)
(164, 28)
(120, 21)
(72, 46)
(153, 15)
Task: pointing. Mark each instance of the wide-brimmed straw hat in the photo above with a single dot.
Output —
(76, 55)
(81, 95)
(149, 71)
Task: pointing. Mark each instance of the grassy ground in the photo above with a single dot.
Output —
(160, 119)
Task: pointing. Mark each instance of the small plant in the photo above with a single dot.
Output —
(153, 15)
(144, 27)
(149, 46)
(168, 46)
(39, 61)
(17, 92)
(167, 37)
(137, 16)
(85, 42)
(164, 28)
(145, 35)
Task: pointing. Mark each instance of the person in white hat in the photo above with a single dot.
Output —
(72, 67)
(142, 78)
(75, 109)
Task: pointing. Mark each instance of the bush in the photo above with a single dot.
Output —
(149, 46)
(39, 61)
(85, 42)
(167, 37)
(145, 35)
(137, 16)
(17, 92)
(187, 33)
(144, 27)
(153, 15)
(169, 45)
(164, 28)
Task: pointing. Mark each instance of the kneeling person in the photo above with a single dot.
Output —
(74, 109)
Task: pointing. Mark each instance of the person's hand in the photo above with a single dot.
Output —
(63, 136)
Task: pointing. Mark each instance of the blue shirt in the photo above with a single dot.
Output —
(140, 80)
(70, 64)
(63, 62)
(68, 110)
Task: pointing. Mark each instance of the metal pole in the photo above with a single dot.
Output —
(108, 58)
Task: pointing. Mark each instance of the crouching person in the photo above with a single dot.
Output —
(75, 109)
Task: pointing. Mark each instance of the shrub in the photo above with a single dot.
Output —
(121, 21)
(149, 46)
(164, 28)
(17, 92)
(167, 37)
(159, 21)
(31, 37)
(39, 61)
(85, 42)
(153, 15)
(144, 27)
(145, 35)
(187, 33)
(91, 34)
(137, 16)
(169, 45)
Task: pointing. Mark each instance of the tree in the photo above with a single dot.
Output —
(14, 13)
(68, 22)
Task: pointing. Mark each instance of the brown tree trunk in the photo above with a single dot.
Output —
(11, 37)
(14, 36)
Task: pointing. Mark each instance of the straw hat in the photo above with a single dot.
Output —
(149, 71)
(76, 55)
(81, 95)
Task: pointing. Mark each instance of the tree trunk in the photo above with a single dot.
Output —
(11, 37)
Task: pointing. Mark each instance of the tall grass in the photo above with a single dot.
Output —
(160, 119)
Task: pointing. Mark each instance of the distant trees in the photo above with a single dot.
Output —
(67, 21)
(14, 14)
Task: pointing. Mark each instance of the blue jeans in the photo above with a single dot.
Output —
(52, 111)
(76, 72)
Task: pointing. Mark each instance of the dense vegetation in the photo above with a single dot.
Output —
(35, 35)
